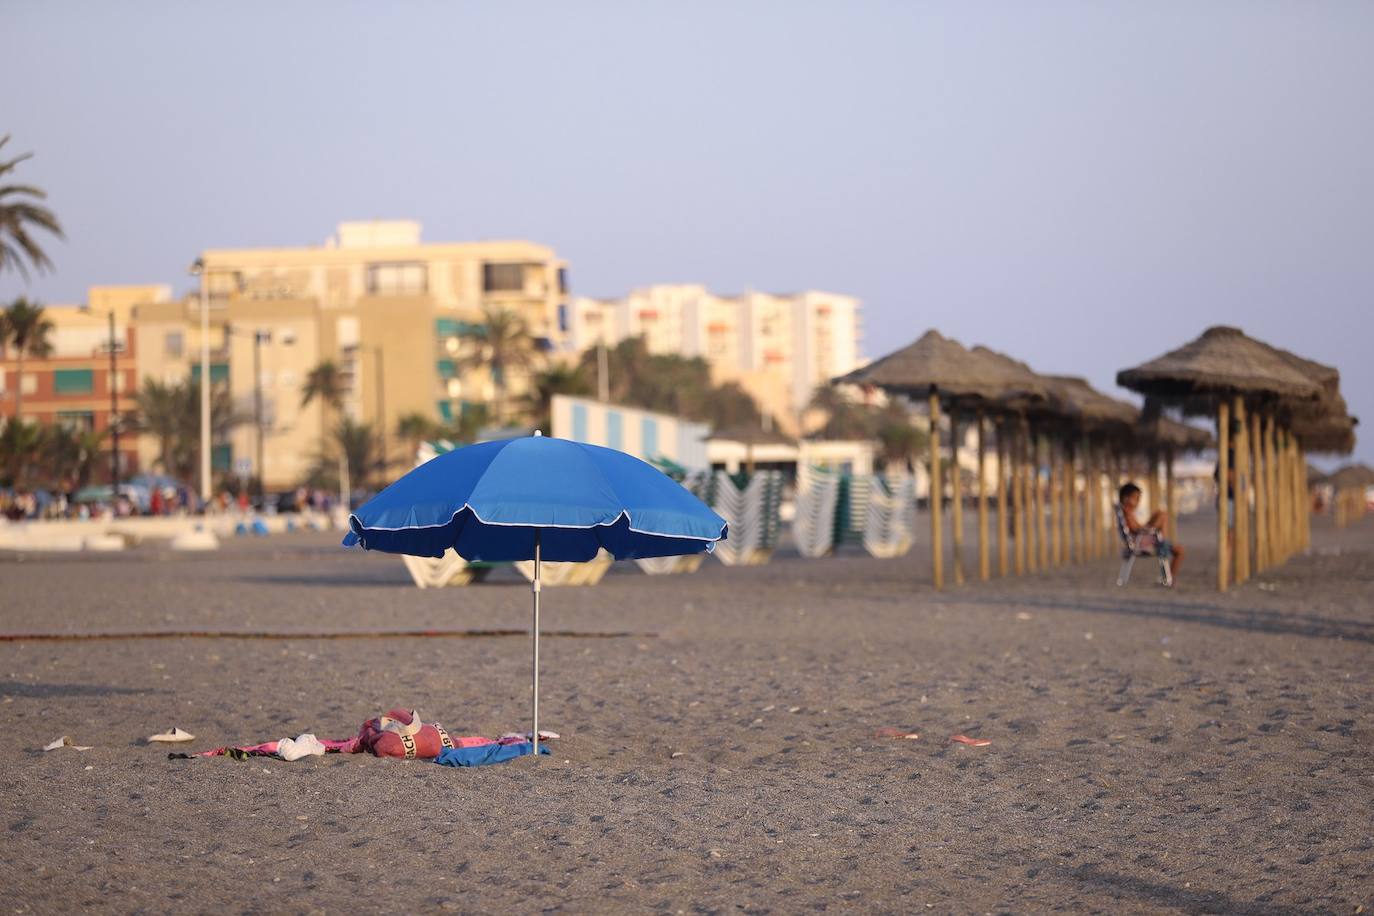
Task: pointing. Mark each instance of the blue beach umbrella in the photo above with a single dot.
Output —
(535, 498)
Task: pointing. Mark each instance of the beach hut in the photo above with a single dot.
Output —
(1222, 373)
(944, 373)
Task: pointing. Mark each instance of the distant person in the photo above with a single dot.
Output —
(1152, 532)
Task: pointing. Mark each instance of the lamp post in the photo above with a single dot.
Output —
(114, 401)
(198, 270)
(260, 337)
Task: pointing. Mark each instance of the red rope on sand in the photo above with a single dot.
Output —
(248, 634)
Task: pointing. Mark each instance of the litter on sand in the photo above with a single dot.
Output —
(65, 741)
(890, 732)
(399, 733)
(971, 742)
(173, 735)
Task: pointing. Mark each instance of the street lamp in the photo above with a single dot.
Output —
(260, 337)
(114, 401)
(198, 270)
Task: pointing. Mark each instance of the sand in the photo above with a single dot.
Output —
(1150, 751)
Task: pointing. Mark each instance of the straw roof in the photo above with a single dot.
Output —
(1169, 434)
(1352, 475)
(1073, 398)
(935, 364)
(747, 434)
(1220, 363)
(1334, 434)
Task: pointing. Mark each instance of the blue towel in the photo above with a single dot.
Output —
(484, 754)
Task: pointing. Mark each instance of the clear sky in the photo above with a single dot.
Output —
(1082, 185)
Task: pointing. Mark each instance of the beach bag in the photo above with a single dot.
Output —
(403, 734)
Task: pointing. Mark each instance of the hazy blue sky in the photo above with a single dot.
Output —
(1084, 185)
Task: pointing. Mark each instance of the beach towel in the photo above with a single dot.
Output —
(481, 755)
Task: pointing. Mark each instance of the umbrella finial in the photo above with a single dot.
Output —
(539, 432)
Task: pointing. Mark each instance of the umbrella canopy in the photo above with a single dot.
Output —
(1169, 434)
(935, 364)
(1222, 362)
(487, 502)
(535, 498)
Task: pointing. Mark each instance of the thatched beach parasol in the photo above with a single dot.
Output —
(1220, 372)
(942, 370)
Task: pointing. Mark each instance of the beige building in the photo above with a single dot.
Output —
(779, 347)
(402, 318)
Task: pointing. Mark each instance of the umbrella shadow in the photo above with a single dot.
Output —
(1251, 620)
(49, 691)
(1172, 896)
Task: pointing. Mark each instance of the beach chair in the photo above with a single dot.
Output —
(1133, 545)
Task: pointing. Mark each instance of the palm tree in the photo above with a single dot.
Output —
(172, 414)
(19, 211)
(506, 345)
(24, 327)
(71, 454)
(326, 383)
(415, 428)
(558, 379)
(20, 443)
(358, 444)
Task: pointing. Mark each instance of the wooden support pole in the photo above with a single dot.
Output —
(1260, 490)
(1073, 508)
(937, 546)
(1170, 495)
(1241, 448)
(1151, 482)
(1018, 479)
(984, 556)
(1042, 540)
(956, 496)
(1271, 484)
(1002, 518)
(1085, 543)
(1223, 481)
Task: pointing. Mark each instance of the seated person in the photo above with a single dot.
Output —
(1151, 533)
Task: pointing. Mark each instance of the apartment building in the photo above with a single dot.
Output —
(72, 384)
(779, 347)
(403, 320)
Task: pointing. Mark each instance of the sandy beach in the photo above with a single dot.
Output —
(1150, 751)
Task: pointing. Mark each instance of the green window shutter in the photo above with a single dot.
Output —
(447, 368)
(446, 327)
(446, 411)
(219, 373)
(73, 381)
(221, 456)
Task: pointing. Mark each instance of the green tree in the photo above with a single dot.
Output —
(415, 428)
(171, 413)
(20, 445)
(324, 383)
(24, 327)
(357, 442)
(899, 442)
(70, 454)
(506, 345)
(21, 211)
(557, 379)
(672, 384)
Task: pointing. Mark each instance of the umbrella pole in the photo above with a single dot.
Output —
(534, 732)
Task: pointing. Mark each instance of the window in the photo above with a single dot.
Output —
(614, 431)
(173, 344)
(648, 437)
(221, 456)
(401, 279)
(224, 283)
(579, 422)
(445, 411)
(73, 381)
(562, 279)
(76, 419)
(447, 368)
(498, 278)
(29, 383)
(219, 372)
